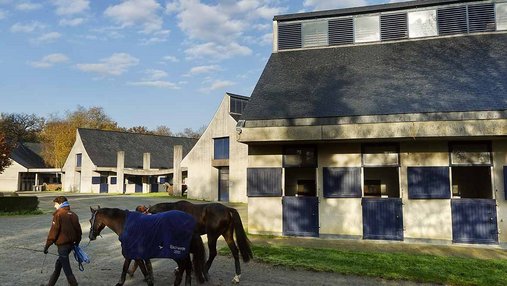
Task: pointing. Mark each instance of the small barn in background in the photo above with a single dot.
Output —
(28, 172)
(121, 162)
(217, 164)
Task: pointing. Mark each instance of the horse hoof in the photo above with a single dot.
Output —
(206, 276)
(235, 280)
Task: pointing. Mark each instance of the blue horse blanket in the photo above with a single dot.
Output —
(163, 235)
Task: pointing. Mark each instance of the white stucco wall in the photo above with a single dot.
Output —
(202, 180)
(79, 181)
(9, 178)
(265, 215)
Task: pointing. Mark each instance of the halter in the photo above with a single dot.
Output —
(93, 223)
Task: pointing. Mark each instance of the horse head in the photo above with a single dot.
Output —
(96, 223)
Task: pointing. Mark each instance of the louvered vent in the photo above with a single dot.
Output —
(289, 36)
(452, 20)
(341, 31)
(393, 27)
(481, 18)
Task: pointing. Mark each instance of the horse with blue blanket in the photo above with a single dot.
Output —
(166, 235)
(215, 220)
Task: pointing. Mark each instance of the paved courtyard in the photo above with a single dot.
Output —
(23, 238)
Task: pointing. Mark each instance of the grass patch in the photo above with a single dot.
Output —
(22, 213)
(392, 266)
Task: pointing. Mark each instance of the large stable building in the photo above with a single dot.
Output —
(382, 122)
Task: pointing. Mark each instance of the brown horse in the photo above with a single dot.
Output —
(115, 219)
(215, 220)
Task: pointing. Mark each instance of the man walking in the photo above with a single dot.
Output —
(65, 232)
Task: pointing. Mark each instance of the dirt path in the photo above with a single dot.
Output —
(23, 238)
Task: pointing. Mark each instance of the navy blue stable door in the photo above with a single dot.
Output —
(104, 187)
(474, 221)
(382, 218)
(301, 216)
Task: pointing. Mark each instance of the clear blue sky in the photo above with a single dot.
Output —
(146, 62)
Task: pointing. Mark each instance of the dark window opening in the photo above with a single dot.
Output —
(472, 182)
(79, 160)
(221, 148)
(300, 182)
(381, 182)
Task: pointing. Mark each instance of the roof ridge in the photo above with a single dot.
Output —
(135, 133)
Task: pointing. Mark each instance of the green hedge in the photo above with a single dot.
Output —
(17, 204)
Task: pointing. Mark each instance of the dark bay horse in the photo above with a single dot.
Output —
(116, 220)
(215, 220)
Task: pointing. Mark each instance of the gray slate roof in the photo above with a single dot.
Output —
(102, 147)
(29, 155)
(467, 73)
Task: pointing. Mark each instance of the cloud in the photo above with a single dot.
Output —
(26, 28)
(3, 14)
(333, 4)
(218, 84)
(115, 65)
(203, 69)
(28, 6)
(47, 38)
(50, 60)
(221, 30)
(171, 59)
(137, 12)
(70, 7)
(155, 83)
(215, 51)
(71, 22)
(154, 74)
(154, 78)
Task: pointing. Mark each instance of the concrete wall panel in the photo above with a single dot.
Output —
(341, 217)
(265, 215)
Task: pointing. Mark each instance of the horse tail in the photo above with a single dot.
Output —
(241, 238)
(199, 258)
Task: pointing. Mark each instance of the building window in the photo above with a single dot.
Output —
(452, 20)
(367, 29)
(501, 16)
(79, 160)
(314, 34)
(300, 157)
(221, 150)
(422, 24)
(237, 105)
(289, 36)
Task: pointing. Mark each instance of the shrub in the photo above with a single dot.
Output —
(18, 204)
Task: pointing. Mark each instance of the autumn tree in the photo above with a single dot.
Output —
(5, 151)
(163, 130)
(59, 134)
(21, 127)
(140, 130)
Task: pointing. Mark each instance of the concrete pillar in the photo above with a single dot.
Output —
(146, 166)
(120, 172)
(177, 176)
(36, 187)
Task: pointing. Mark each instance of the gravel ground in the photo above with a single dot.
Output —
(23, 238)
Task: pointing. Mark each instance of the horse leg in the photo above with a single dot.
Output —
(212, 246)
(229, 238)
(147, 276)
(178, 275)
(188, 270)
(149, 268)
(126, 265)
